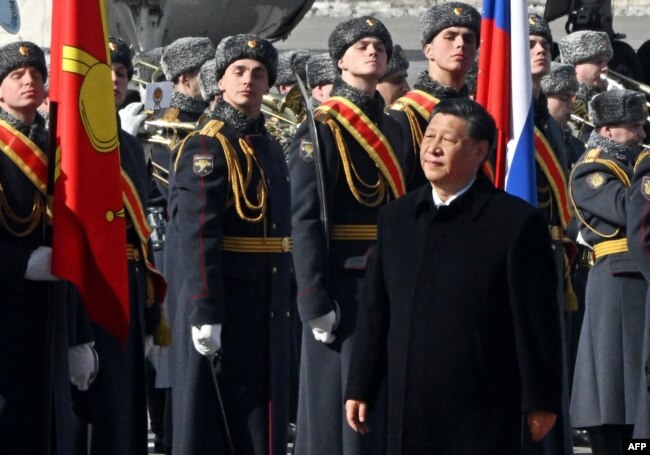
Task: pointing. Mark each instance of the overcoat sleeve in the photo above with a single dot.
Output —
(202, 193)
(638, 231)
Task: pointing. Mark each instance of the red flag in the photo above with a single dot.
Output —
(89, 229)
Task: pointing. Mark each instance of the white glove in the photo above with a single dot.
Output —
(39, 265)
(83, 365)
(323, 327)
(207, 339)
(148, 344)
(131, 117)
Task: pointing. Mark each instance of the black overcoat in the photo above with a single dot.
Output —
(459, 313)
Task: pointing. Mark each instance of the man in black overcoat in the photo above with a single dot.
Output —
(459, 311)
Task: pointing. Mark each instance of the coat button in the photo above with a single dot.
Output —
(274, 270)
(287, 178)
(273, 226)
(271, 314)
(288, 314)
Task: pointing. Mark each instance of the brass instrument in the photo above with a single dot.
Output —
(284, 113)
(159, 131)
(617, 80)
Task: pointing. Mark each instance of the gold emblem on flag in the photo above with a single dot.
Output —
(458, 10)
(595, 180)
(252, 43)
(645, 187)
(370, 22)
(23, 50)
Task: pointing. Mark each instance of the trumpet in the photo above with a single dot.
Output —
(620, 81)
(159, 131)
(284, 114)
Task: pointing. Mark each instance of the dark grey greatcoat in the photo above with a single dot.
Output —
(460, 315)
(323, 278)
(115, 403)
(606, 380)
(246, 292)
(638, 240)
(24, 350)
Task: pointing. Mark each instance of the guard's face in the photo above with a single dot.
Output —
(191, 81)
(589, 72)
(22, 90)
(393, 87)
(561, 106)
(449, 157)
(244, 84)
(120, 78)
(453, 49)
(627, 133)
(540, 55)
(365, 58)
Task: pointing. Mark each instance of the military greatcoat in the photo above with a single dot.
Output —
(329, 279)
(606, 380)
(229, 263)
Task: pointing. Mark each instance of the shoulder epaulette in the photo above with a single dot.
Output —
(211, 128)
(642, 156)
(171, 114)
(592, 155)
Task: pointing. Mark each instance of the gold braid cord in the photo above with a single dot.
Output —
(414, 125)
(31, 221)
(239, 181)
(368, 195)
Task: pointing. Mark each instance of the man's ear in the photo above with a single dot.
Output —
(428, 51)
(482, 150)
(220, 84)
(341, 65)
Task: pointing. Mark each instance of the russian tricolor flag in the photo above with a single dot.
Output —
(504, 88)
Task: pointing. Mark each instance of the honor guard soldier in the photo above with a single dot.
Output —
(26, 281)
(606, 382)
(551, 172)
(589, 52)
(320, 78)
(115, 403)
(393, 84)
(638, 240)
(228, 250)
(449, 35)
(342, 172)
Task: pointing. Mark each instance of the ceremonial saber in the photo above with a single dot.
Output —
(211, 361)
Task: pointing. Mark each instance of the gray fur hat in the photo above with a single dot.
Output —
(120, 53)
(617, 106)
(346, 33)
(537, 25)
(561, 79)
(320, 70)
(21, 53)
(237, 47)
(398, 62)
(144, 64)
(208, 80)
(445, 15)
(289, 63)
(185, 54)
(584, 45)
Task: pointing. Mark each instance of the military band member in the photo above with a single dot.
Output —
(589, 52)
(208, 84)
(606, 383)
(291, 63)
(356, 172)
(115, 402)
(449, 35)
(229, 260)
(551, 171)
(320, 78)
(393, 84)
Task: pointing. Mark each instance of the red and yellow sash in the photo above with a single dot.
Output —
(421, 101)
(25, 154)
(369, 137)
(554, 173)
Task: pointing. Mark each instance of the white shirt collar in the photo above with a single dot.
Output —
(438, 201)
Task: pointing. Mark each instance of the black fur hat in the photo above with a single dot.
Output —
(561, 79)
(584, 45)
(289, 63)
(398, 62)
(537, 25)
(445, 15)
(21, 53)
(614, 107)
(185, 54)
(208, 80)
(346, 33)
(120, 53)
(147, 65)
(320, 70)
(237, 47)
